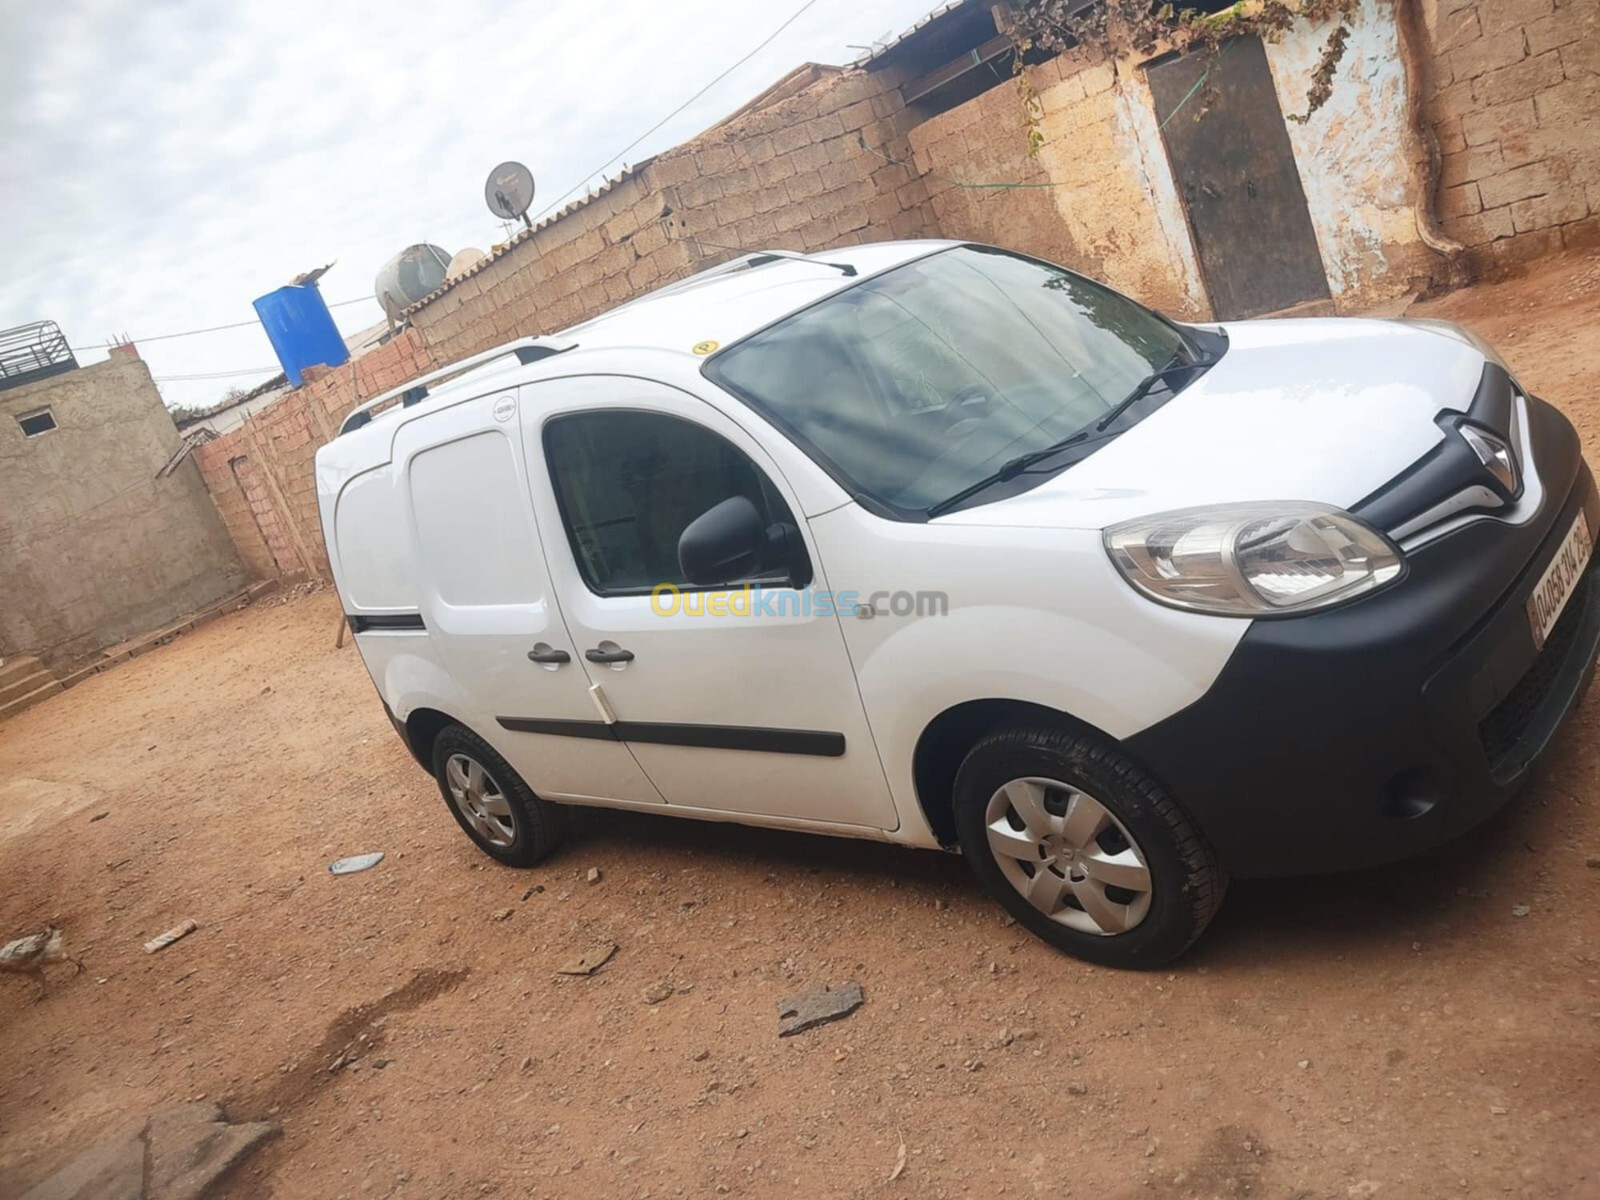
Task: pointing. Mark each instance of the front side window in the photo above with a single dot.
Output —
(924, 380)
(629, 483)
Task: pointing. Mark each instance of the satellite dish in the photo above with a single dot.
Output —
(509, 191)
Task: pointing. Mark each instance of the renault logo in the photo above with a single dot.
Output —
(1495, 454)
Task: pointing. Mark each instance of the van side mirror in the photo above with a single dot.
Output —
(724, 543)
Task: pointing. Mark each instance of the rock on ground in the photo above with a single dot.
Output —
(178, 1154)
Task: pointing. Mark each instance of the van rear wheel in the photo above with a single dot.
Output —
(491, 803)
(1083, 848)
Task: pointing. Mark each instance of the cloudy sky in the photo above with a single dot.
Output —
(164, 162)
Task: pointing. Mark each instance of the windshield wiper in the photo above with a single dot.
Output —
(1009, 469)
(1178, 362)
(1013, 467)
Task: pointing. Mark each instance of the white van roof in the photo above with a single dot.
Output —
(717, 306)
(731, 301)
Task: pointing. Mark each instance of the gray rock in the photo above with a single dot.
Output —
(193, 1146)
(796, 1014)
(110, 1170)
(178, 1154)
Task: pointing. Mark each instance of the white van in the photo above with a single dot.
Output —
(943, 545)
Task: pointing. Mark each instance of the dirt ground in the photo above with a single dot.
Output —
(1400, 1033)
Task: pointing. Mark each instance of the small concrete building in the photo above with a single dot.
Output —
(98, 542)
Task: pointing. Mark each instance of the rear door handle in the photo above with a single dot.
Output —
(608, 656)
(549, 656)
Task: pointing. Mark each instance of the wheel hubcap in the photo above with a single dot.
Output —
(1068, 856)
(478, 799)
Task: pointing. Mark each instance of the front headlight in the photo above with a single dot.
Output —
(1252, 560)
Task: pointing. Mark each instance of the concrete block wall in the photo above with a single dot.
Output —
(982, 184)
(95, 548)
(564, 271)
(1516, 108)
(828, 165)
(1098, 196)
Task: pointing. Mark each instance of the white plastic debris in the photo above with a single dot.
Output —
(356, 862)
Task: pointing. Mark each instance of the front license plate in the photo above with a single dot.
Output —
(1560, 580)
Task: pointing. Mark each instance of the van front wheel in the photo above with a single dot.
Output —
(1083, 848)
(491, 803)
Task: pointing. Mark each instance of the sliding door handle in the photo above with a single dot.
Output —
(549, 656)
(608, 656)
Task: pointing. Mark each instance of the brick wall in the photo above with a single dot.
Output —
(262, 475)
(1516, 107)
(825, 163)
(1096, 197)
(982, 182)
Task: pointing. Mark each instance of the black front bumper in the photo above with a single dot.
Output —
(1367, 733)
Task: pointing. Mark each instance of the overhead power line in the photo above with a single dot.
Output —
(162, 337)
(762, 45)
(217, 374)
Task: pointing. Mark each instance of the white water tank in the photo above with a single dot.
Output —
(463, 262)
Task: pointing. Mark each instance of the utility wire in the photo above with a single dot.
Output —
(217, 374)
(762, 45)
(162, 337)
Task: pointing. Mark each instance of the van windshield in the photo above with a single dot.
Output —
(922, 382)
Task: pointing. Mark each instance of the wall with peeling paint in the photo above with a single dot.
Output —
(1114, 209)
(1359, 162)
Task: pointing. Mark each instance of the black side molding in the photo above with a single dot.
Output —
(595, 730)
(813, 742)
(361, 623)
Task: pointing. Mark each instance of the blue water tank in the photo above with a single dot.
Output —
(301, 329)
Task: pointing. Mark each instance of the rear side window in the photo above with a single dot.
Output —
(629, 483)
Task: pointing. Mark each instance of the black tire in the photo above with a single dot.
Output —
(537, 826)
(1186, 881)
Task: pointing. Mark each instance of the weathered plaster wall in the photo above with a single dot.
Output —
(1515, 103)
(1168, 235)
(1116, 208)
(93, 547)
(1358, 160)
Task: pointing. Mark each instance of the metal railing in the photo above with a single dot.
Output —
(525, 350)
(31, 352)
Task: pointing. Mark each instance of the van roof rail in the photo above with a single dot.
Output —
(414, 391)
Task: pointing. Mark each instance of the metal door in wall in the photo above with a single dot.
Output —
(1230, 154)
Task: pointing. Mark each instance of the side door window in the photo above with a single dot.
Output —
(628, 483)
